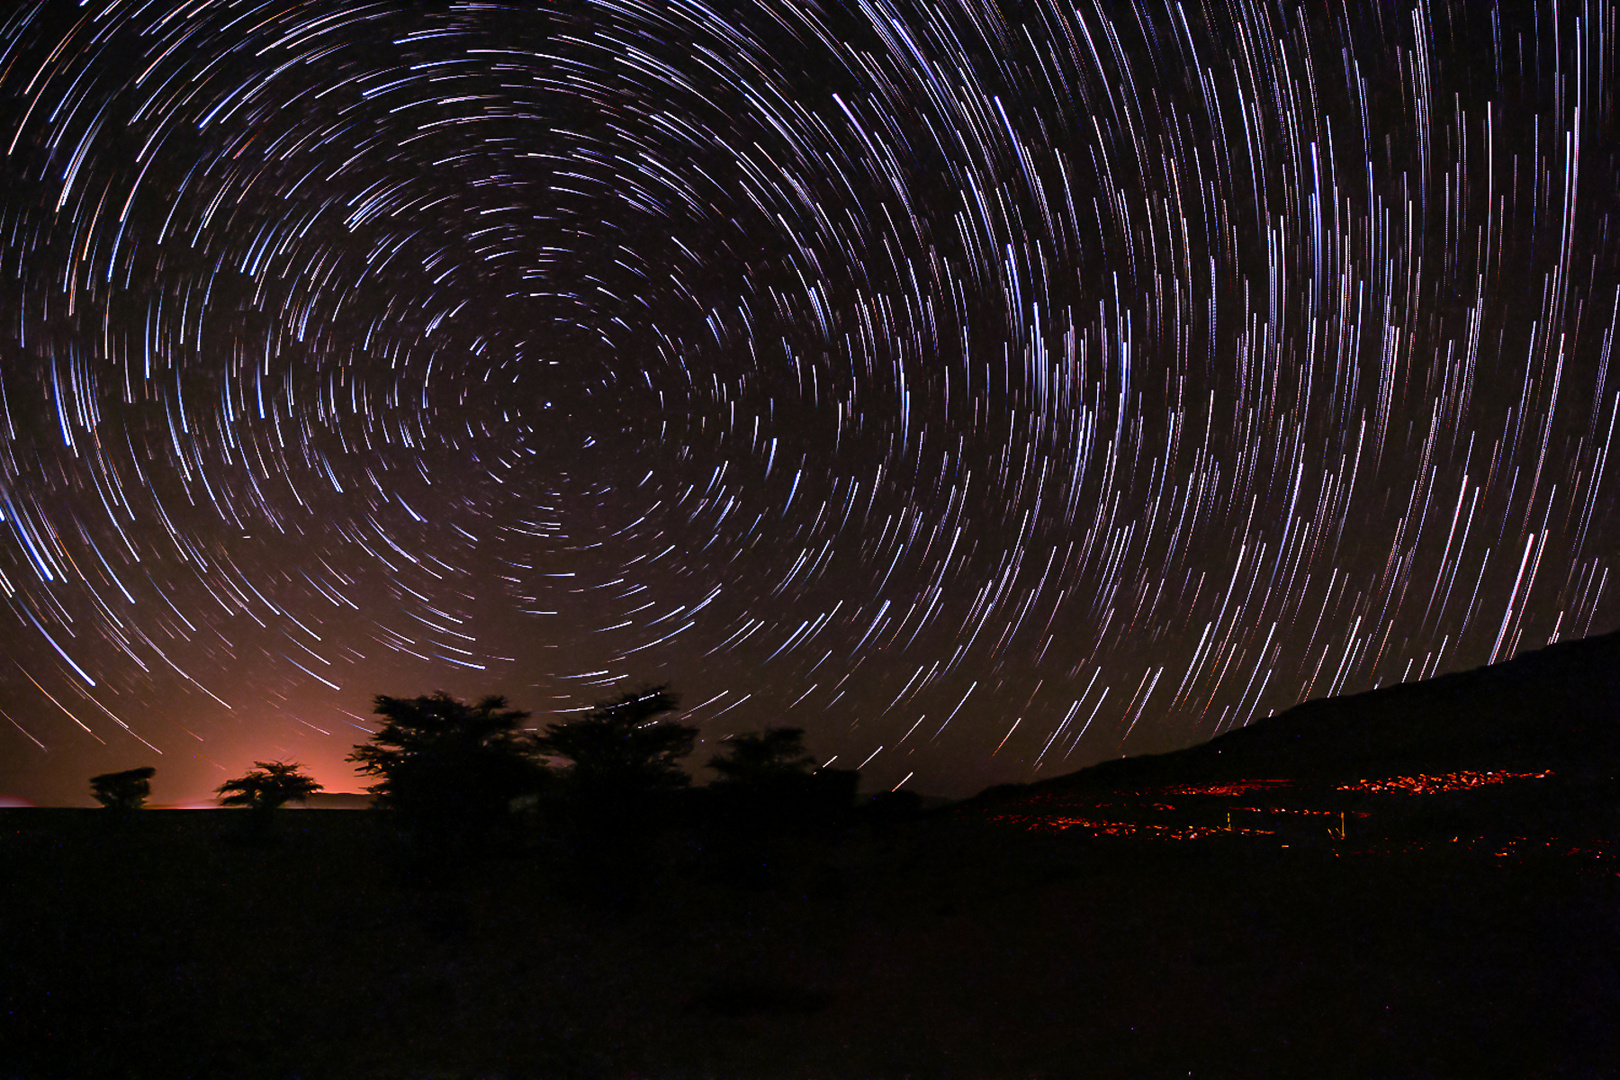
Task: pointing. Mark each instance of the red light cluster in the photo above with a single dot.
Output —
(1041, 823)
(1426, 784)
(1229, 788)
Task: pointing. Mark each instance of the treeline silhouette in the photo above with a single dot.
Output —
(604, 794)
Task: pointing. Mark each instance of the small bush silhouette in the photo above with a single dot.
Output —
(271, 784)
(125, 790)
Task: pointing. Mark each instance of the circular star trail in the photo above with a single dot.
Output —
(983, 388)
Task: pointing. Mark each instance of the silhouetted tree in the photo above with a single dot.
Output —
(269, 785)
(620, 747)
(125, 790)
(771, 767)
(768, 786)
(764, 758)
(263, 791)
(622, 763)
(450, 769)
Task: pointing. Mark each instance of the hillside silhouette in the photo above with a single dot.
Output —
(1553, 709)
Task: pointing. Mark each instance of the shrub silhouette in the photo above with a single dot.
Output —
(125, 790)
(451, 770)
(269, 785)
(265, 789)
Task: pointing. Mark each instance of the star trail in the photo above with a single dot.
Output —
(987, 389)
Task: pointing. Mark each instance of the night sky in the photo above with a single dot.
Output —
(987, 390)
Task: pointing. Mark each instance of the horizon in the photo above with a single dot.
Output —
(700, 778)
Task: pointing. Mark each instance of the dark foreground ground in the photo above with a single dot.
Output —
(947, 948)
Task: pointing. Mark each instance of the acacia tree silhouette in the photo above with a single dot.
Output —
(763, 758)
(621, 762)
(125, 790)
(620, 748)
(449, 769)
(769, 787)
(770, 771)
(268, 786)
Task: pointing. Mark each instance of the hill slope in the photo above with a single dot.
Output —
(1555, 708)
